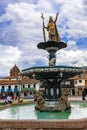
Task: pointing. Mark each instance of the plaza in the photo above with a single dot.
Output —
(46, 87)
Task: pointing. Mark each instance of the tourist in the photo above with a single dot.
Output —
(9, 99)
(83, 95)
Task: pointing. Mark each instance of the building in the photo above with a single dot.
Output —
(80, 83)
(14, 83)
(76, 84)
(69, 85)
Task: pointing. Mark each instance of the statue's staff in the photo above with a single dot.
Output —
(43, 27)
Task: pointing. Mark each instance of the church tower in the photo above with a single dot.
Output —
(14, 71)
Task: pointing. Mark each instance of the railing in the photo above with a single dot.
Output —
(2, 90)
(28, 89)
(16, 90)
(9, 90)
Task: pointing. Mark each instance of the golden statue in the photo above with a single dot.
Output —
(53, 34)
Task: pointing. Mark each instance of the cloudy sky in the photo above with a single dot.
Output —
(21, 31)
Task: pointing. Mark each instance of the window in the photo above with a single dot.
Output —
(34, 85)
(14, 74)
(15, 86)
(28, 85)
(3, 87)
(23, 86)
(9, 86)
(30, 93)
(80, 81)
(67, 83)
(75, 82)
(25, 94)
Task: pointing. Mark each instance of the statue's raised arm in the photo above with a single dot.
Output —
(56, 17)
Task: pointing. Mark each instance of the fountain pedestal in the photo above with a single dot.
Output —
(51, 47)
(53, 80)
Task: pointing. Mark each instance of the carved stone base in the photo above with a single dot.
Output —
(61, 105)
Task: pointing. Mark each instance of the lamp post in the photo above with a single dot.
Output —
(19, 79)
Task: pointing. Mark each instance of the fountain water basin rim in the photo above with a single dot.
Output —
(20, 112)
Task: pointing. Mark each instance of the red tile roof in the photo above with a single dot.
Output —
(82, 76)
(24, 80)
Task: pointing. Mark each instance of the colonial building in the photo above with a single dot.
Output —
(76, 84)
(80, 83)
(69, 85)
(13, 84)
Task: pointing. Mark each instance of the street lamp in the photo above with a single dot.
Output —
(19, 79)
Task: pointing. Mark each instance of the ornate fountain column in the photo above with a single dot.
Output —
(53, 90)
(53, 83)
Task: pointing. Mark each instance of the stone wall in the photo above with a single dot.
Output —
(80, 124)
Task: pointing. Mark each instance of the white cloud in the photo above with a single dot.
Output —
(72, 56)
(26, 18)
(8, 57)
(75, 24)
(26, 29)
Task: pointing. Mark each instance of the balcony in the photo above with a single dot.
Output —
(16, 90)
(9, 90)
(2, 90)
(28, 89)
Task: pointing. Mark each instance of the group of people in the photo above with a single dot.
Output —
(8, 100)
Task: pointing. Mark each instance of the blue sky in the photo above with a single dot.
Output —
(21, 31)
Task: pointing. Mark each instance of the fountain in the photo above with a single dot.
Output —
(52, 99)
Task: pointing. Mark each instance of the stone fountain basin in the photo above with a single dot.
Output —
(14, 118)
(78, 111)
(49, 72)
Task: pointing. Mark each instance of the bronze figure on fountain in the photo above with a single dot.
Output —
(53, 34)
(54, 43)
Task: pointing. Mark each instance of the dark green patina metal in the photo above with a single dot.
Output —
(52, 75)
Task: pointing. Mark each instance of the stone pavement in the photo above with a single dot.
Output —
(78, 98)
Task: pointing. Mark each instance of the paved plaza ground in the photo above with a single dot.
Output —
(78, 98)
(70, 98)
